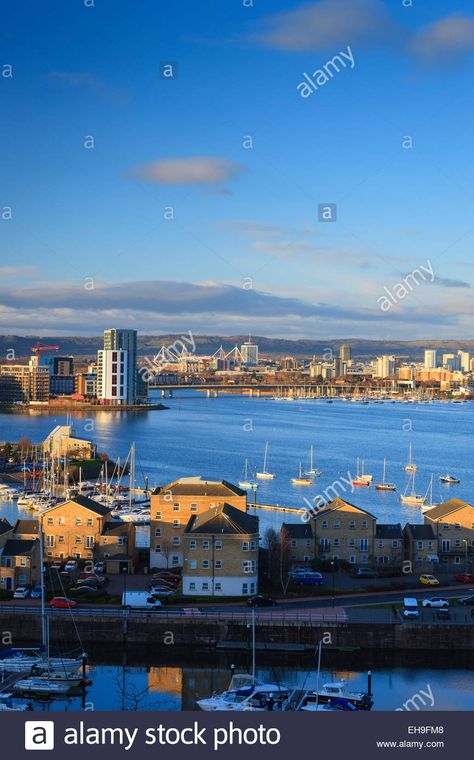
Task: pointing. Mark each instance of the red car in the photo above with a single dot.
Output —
(464, 578)
(60, 602)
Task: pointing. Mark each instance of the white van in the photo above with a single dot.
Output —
(139, 600)
(410, 608)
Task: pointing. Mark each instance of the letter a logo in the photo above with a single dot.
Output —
(39, 734)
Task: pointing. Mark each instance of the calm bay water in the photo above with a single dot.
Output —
(212, 437)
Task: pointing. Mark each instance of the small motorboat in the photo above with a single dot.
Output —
(330, 692)
(449, 479)
(245, 693)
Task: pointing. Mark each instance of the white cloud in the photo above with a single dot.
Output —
(195, 170)
(449, 38)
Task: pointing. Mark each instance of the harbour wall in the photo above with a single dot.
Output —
(155, 630)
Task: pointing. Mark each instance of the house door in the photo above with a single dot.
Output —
(9, 584)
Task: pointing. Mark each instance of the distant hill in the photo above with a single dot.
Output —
(148, 345)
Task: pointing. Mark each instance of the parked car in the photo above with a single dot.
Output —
(99, 568)
(36, 592)
(467, 600)
(22, 592)
(429, 580)
(261, 600)
(367, 572)
(435, 601)
(165, 575)
(464, 578)
(307, 579)
(61, 602)
(163, 591)
(70, 565)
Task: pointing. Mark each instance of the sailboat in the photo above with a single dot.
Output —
(312, 472)
(246, 692)
(33, 660)
(301, 480)
(429, 505)
(247, 484)
(265, 475)
(384, 486)
(410, 467)
(361, 479)
(410, 496)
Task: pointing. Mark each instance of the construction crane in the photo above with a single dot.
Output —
(38, 348)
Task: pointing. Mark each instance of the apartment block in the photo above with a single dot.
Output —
(173, 505)
(20, 564)
(388, 545)
(22, 383)
(453, 525)
(298, 540)
(220, 548)
(420, 547)
(344, 532)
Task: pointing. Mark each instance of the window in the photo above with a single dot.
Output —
(90, 522)
(352, 541)
(50, 540)
(205, 544)
(193, 507)
(336, 524)
(176, 523)
(50, 521)
(175, 559)
(352, 524)
(175, 507)
(380, 543)
(78, 521)
(245, 546)
(192, 564)
(218, 586)
(446, 526)
(192, 586)
(78, 539)
(253, 546)
(175, 541)
(205, 586)
(218, 545)
(62, 521)
(364, 524)
(457, 526)
(352, 559)
(205, 564)
(22, 561)
(324, 524)
(457, 542)
(336, 542)
(245, 588)
(22, 580)
(308, 543)
(293, 544)
(324, 544)
(419, 545)
(395, 544)
(364, 544)
(457, 560)
(60, 539)
(122, 540)
(249, 565)
(430, 544)
(252, 588)
(192, 543)
(105, 540)
(158, 515)
(89, 542)
(306, 558)
(157, 532)
(158, 548)
(218, 564)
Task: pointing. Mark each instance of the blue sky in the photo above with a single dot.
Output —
(88, 245)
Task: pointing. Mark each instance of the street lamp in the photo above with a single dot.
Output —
(333, 565)
(465, 564)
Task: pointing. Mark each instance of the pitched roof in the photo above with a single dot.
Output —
(4, 526)
(338, 503)
(298, 530)
(114, 526)
(15, 547)
(83, 501)
(26, 526)
(446, 508)
(196, 486)
(388, 531)
(420, 532)
(223, 519)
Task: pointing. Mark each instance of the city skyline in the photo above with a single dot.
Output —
(192, 203)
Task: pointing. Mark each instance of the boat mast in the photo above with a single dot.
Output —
(253, 644)
(44, 634)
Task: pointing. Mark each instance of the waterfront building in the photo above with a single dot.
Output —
(173, 505)
(249, 353)
(220, 549)
(299, 539)
(431, 358)
(116, 340)
(420, 546)
(344, 532)
(19, 563)
(453, 526)
(22, 383)
(385, 366)
(465, 360)
(81, 528)
(86, 384)
(388, 545)
(62, 442)
(113, 377)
